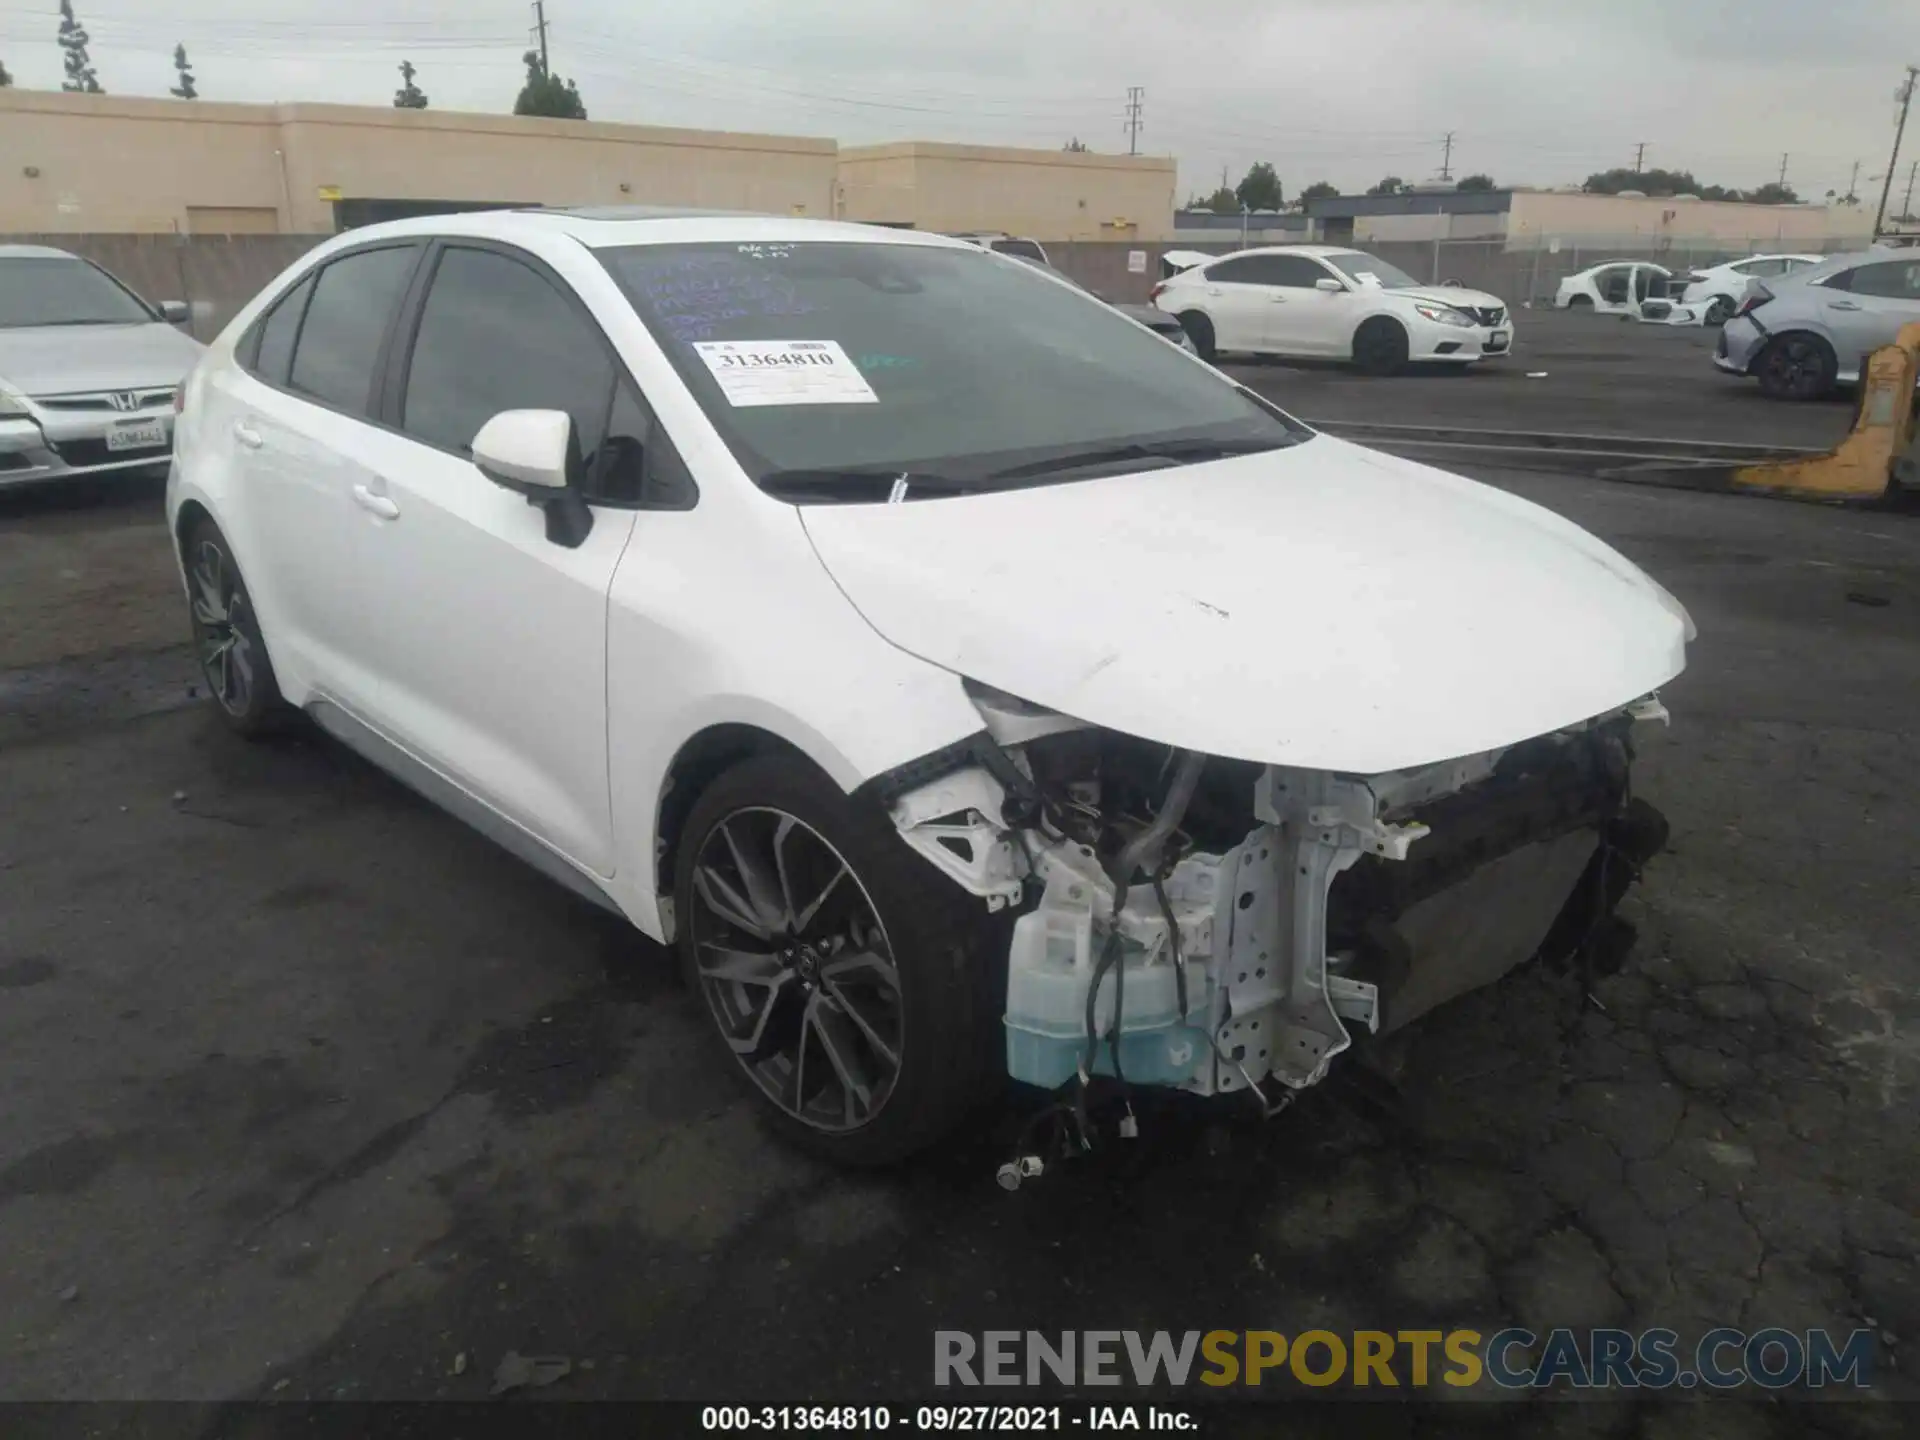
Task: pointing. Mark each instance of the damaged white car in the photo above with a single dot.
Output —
(966, 682)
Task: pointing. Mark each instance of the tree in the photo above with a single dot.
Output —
(5, 78)
(1392, 185)
(1476, 182)
(547, 94)
(185, 90)
(1076, 146)
(1650, 182)
(1318, 190)
(73, 40)
(409, 96)
(1223, 202)
(1259, 189)
(1772, 193)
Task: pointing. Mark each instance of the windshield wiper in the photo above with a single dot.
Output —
(861, 482)
(1177, 451)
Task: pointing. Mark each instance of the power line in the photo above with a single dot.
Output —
(1136, 99)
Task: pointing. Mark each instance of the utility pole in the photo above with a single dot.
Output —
(1906, 209)
(540, 24)
(1783, 171)
(1136, 98)
(1905, 96)
(1446, 157)
(1852, 180)
(1639, 156)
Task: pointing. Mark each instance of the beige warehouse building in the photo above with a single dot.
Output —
(104, 164)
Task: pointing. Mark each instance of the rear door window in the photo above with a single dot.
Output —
(1890, 280)
(273, 343)
(353, 303)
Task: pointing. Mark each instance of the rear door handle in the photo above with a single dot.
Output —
(380, 505)
(1845, 304)
(247, 435)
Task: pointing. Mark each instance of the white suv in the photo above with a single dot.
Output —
(1327, 302)
(917, 644)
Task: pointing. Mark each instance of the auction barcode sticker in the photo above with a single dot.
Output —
(785, 372)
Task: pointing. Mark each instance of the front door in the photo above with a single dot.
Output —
(491, 639)
(1309, 320)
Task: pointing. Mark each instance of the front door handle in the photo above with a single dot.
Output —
(380, 505)
(1844, 304)
(247, 435)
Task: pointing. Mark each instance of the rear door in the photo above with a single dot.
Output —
(296, 418)
(1237, 300)
(1878, 299)
(491, 645)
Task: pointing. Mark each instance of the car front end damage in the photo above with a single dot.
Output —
(1222, 927)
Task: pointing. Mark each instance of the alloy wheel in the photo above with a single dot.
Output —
(223, 627)
(795, 966)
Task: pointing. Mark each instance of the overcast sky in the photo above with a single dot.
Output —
(1536, 91)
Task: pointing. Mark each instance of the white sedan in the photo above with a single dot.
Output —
(967, 683)
(1719, 289)
(1617, 287)
(1327, 302)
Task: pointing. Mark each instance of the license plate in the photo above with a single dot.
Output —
(1497, 340)
(137, 435)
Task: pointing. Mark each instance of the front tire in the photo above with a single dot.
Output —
(226, 637)
(1380, 346)
(856, 988)
(1796, 367)
(1200, 331)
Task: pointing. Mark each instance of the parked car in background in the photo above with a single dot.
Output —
(1615, 287)
(88, 370)
(1018, 246)
(1331, 302)
(1721, 288)
(911, 641)
(1802, 334)
(1166, 326)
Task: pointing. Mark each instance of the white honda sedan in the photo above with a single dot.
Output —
(1327, 302)
(967, 682)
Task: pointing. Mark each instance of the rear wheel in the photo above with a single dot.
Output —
(1796, 367)
(855, 987)
(1380, 346)
(1719, 310)
(1200, 331)
(226, 637)
(1580, 302)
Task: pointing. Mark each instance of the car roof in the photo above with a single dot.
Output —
(1316, 252)
(601, 227)
(34, 252)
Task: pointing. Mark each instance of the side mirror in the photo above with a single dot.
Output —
(175, 312)
(528, 452)
(1330, 285)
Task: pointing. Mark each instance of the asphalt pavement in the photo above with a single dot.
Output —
(313, 1093)
(1570, 373)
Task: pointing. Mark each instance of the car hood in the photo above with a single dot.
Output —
(1323, 606)
(1448, 295)
(63, 359)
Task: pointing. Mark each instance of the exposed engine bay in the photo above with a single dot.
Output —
(1218, 926)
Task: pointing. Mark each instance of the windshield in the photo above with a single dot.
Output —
(819, 359)
(1371, 270)
(60, 290)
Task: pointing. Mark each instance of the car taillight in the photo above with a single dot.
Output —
(1755, 298)
(1154, 294)
(180, 399)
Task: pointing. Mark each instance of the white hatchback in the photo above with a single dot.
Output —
(1326, 302)
(919, 646)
